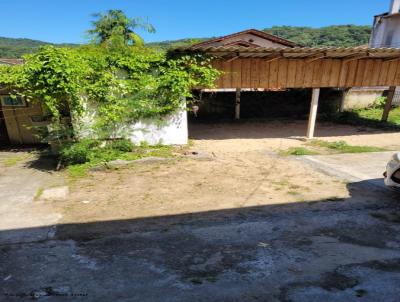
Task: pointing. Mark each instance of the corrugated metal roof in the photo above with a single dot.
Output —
(296, 52)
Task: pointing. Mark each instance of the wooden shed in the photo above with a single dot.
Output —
(277, 68)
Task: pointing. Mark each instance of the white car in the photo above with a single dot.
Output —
(392, 174)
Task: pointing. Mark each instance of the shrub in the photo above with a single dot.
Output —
(78, 152)
(123, 145)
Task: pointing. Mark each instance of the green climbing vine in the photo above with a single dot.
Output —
(123, 85)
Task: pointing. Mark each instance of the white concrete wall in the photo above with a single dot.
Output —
(386, 31)
(394, 6)
(172, 130)
(361, 98)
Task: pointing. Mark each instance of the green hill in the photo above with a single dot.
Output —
(336, 35)
(15, 48)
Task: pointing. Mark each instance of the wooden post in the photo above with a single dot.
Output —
(237, 104)
(388, 104)
(313, 113)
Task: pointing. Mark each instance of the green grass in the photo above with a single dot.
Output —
(376, 115)
(298, 151)
(369, 117)
(39, 193)
(343, 147)
(81, 170)
(12, 161)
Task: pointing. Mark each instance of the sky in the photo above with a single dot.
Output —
(65, 21)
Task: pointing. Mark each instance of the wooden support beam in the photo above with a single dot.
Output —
(388, 104)
(313, 113)
(237, 104)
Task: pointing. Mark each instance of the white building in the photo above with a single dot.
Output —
(386, 28)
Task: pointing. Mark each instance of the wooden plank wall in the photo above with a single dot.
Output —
(300, 73)
(19, 124)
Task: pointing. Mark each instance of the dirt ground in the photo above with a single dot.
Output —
(238, 167)
(281, 135)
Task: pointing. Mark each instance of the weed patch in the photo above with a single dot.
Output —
(95, 155)
(368, 117)
(298, 151)
(12, 161)
(343, 147)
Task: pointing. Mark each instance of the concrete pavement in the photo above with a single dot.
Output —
(22, 176)
(368, 167)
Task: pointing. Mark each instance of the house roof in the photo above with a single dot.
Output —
(255, 32)
(4, 61)
(387, 15)
(294, 53)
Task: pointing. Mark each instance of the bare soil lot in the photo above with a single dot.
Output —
(239, 169)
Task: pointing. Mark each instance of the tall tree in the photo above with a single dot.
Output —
(114, 27)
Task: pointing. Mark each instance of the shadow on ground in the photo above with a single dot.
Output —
(44, 162)
(264, 129)
(327, 250)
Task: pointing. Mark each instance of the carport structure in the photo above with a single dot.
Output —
(303, 67)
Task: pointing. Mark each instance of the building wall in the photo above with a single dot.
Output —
(172, 130)
(300, 73)
(386, 31)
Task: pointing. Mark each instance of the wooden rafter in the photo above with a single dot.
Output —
(350, 58)
(392, 59)
(315, 58)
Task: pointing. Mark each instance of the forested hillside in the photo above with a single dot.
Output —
(337, 35)
(15, 48)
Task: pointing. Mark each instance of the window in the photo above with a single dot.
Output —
(12, 101)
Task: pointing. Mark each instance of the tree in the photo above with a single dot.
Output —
(114, 27)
